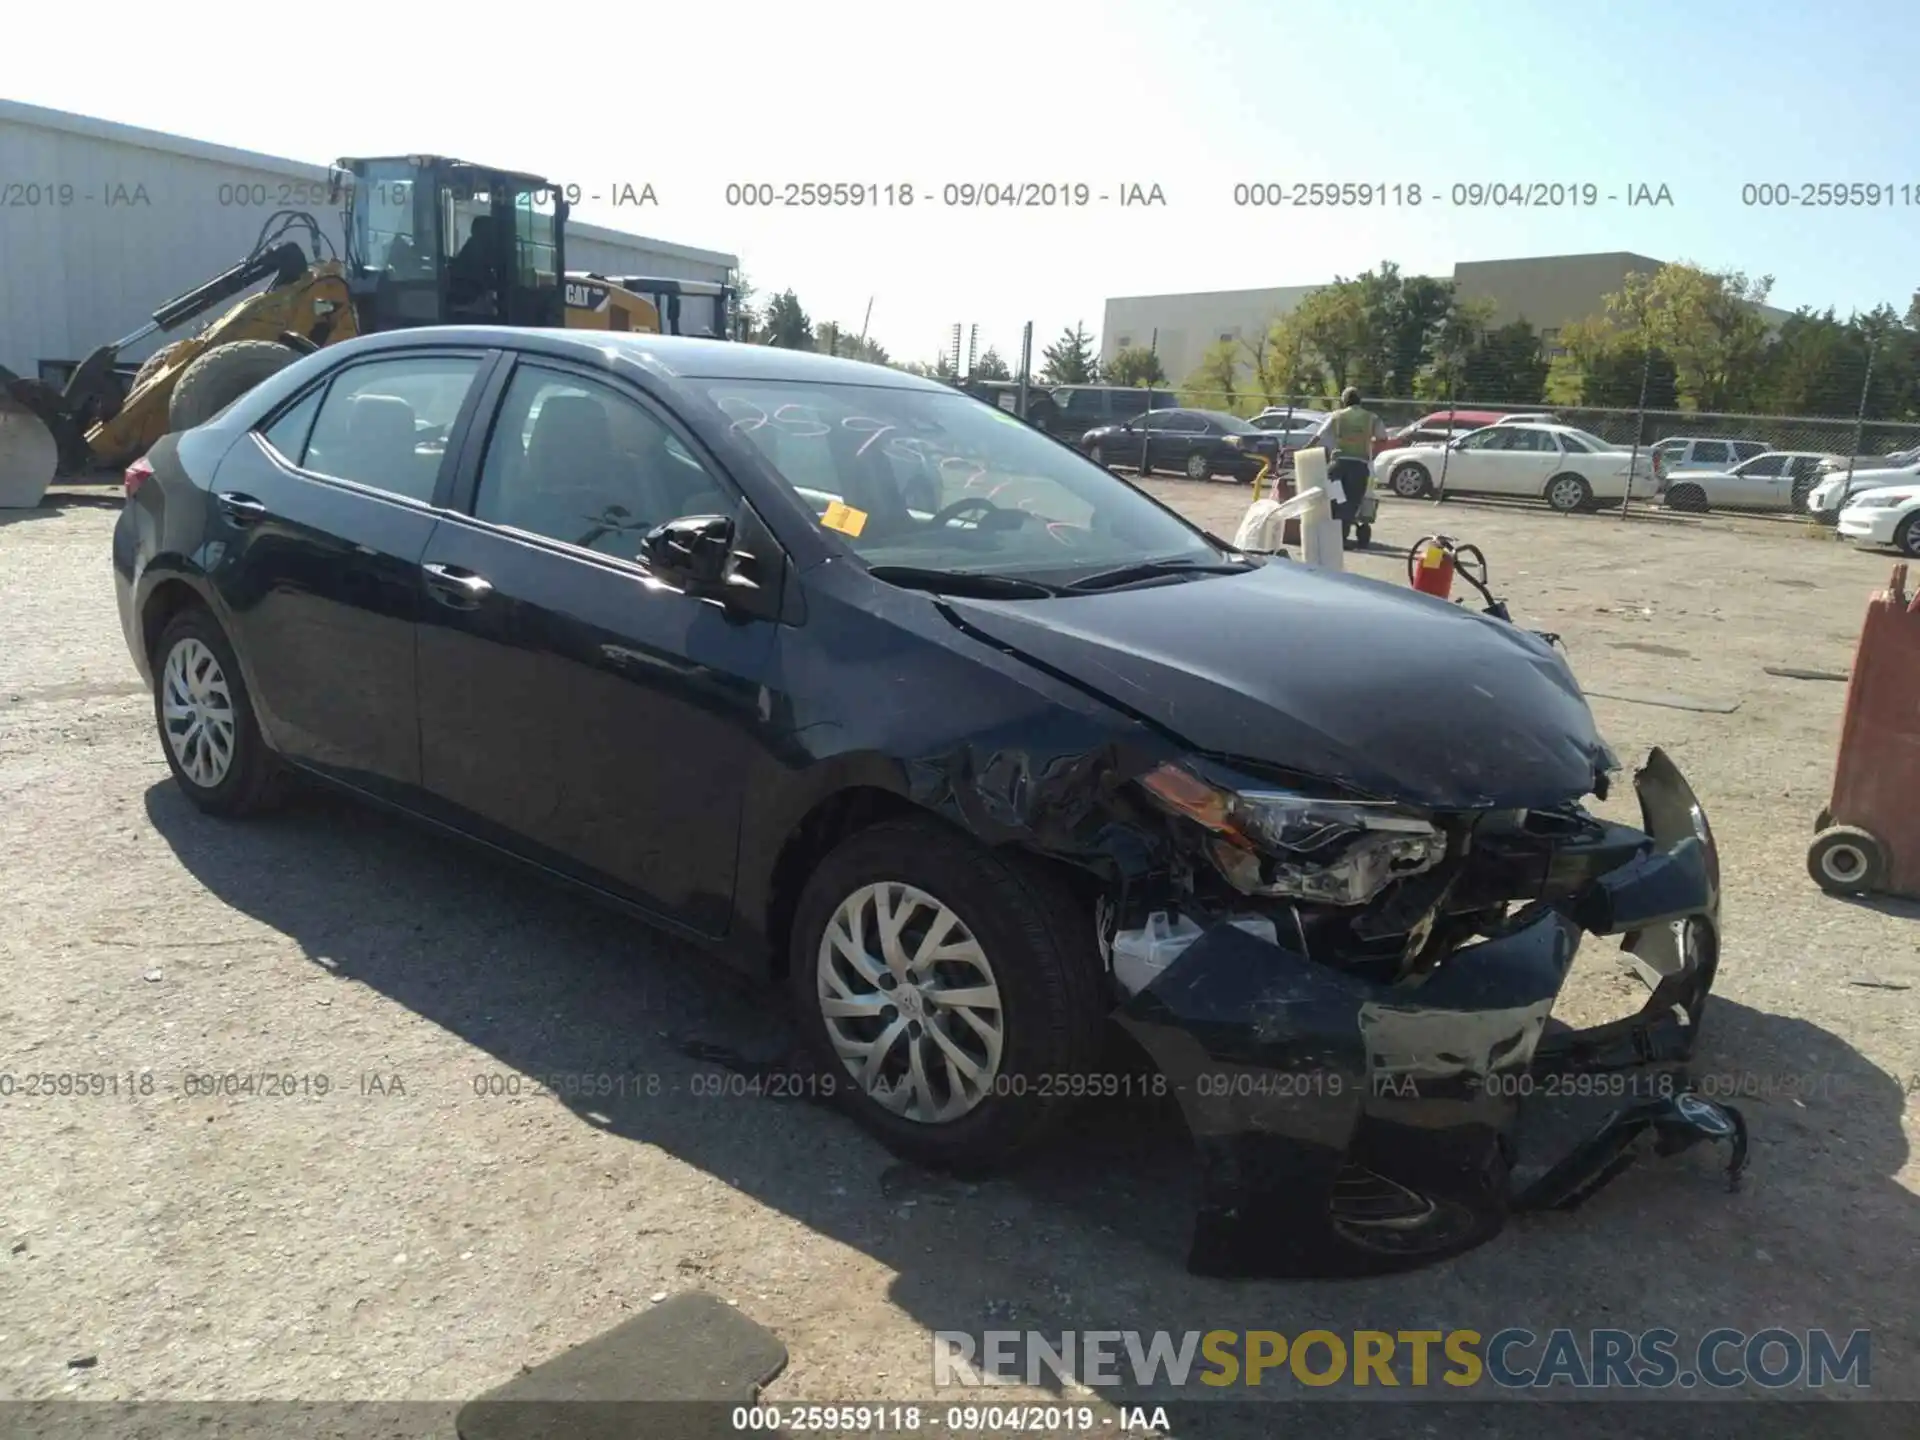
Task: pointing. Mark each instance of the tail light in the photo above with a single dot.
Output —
(138, 473)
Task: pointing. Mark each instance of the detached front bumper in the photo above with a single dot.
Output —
(1352, 1128)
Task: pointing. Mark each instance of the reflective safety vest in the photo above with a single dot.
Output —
(1353, 432)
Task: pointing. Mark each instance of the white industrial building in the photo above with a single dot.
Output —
(102, 222)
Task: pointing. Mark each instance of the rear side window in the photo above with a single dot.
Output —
(1711, 452)
(385, 424)
(1748, 448)
(288, 434)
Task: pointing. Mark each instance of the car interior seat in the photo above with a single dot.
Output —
(572, 475)
(379, 444)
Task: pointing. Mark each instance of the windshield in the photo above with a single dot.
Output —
(940, 481)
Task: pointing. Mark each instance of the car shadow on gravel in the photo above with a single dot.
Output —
(1091, 1234)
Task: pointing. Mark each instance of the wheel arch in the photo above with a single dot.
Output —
(858, 800)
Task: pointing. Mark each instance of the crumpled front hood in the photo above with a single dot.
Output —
(1379, 688)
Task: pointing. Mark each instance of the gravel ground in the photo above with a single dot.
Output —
(418, 1233)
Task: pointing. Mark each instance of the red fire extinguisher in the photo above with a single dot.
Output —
(1431, 565)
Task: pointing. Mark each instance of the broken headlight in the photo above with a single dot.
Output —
(1291, 846)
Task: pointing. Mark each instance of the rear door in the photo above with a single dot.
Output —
(575, 708)
(320, 519)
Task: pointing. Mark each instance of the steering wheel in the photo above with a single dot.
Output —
(964, 505)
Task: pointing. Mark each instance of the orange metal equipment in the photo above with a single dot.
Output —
(1869, 834)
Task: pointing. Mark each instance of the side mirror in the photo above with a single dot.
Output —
(692, 550)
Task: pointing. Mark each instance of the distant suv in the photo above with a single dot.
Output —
(1686, 452)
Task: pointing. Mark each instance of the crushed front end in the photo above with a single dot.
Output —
(1353, 1000)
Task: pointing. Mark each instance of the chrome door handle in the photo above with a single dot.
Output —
(241, 509)
(459, 588)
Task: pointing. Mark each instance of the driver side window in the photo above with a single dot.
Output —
(1494, 438)
(576, 460)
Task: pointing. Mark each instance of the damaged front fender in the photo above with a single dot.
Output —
(1351, 1127)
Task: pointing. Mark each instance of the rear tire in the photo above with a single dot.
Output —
(208, 732)
(1098, 456)
(1037, 955)
(222, 376)
(1199, 467)
(1569, 492)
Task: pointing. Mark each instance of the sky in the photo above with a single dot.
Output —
(1702, 98)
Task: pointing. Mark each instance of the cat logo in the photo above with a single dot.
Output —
(586, 297)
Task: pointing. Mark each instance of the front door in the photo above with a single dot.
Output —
(574, 708)
(320, 520)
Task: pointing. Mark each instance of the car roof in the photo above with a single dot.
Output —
(673, 357)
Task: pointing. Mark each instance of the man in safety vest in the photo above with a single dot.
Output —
(1347, 435)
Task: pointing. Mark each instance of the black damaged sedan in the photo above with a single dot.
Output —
(1200, 444)
(871, 688)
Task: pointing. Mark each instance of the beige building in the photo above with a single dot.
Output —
(1547, 291)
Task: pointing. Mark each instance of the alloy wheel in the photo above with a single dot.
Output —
(910, 1003)
(198, 713)
(1566, 494)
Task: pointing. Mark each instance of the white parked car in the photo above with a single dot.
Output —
(1777, 480)
(1832, 493)
(1570, 469)
(1889, 515)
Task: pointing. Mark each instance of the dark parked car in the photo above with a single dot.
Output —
(1198, 443)
(653, 616)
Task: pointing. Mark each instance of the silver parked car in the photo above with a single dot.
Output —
(1776, 480)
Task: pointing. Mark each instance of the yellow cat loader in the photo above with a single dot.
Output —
(429, 241)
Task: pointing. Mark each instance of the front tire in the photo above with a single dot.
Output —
(208, 732)
(1410, 482)
(948, 992)
(1690, 498)
(1568, 493)
(1906, 539)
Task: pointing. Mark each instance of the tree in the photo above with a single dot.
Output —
(1071, 359)
(1213, 385)
(1332, 322)
(1603, 363)
(1289, 367)
(746, 316)
(1506, 365)
(989, 366)
(1459, 334)
(836, 339)
(1706, 322)
(1135, 365)
(786, 325)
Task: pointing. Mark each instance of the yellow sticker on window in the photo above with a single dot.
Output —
(844, 518)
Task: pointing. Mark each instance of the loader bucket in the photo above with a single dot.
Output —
(28, 455)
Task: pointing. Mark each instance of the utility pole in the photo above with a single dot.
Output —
(1026, 364)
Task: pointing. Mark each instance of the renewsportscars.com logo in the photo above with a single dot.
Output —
(1514, 1358)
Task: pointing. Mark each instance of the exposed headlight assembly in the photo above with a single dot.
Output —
(1290, 846)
